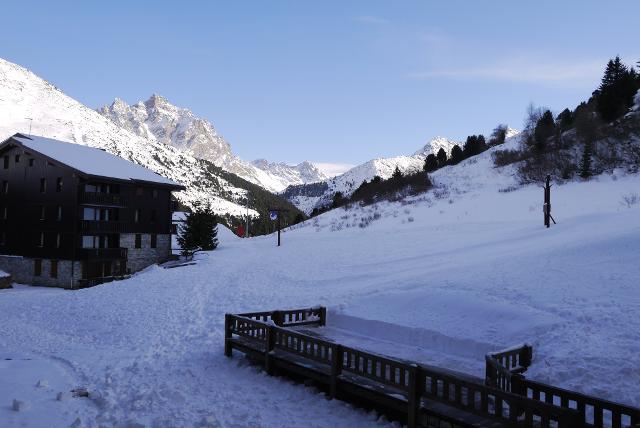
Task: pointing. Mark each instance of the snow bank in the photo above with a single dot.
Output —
(440, 278)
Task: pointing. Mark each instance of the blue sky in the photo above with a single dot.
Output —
(328, 81)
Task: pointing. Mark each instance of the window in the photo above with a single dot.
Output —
(88, 241)
(59, 213)
(5, 187)
(139, 191)
(54, 269)
(42, 212)
(89, 214)
(138, 241)
(59, 184)
(153, 216)
(154, 193)
(5, 213)
(17, 158)
(58, 240)
(136, 215)
(3, 238)
(154, 240)
(90, 188)
(41, 240)
(43, 185)
(31, 162)
(37, 267)
(6, 162)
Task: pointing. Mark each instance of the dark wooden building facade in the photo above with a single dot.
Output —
(72, 216)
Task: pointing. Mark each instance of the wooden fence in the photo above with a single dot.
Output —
(416, 391)
(505, 369)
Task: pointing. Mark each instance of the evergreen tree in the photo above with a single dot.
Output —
(198, 232)
(430, 163)
(545, 129)
(499, 135)
(456, 155)
(585, 163)
(617, 89)
(338, 200)
(565, 119)
(397, 175)
(441, 157)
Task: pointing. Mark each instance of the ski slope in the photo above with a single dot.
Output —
(442, 278)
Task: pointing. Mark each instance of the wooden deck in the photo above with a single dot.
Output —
(415, 394)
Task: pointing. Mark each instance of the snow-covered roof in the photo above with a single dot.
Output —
(90, 160)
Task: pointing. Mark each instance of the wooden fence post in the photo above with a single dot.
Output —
(488, 371)
(227, 335)
(268, 357)
(416, 388)
(337, 357)
(276, 317)
(526, 356)
(323, 316)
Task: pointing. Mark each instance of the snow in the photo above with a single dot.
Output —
(3, 274)
(91, 161)
(159, 120)
(58, 116)
(474, 271)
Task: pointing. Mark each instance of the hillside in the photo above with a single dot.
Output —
(158, 119)
(442, 278)
(349, 181)
(53, 114)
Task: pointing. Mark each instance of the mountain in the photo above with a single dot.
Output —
(304, 172)
(435, 144)
(307, 197)
(180, 128)
(53, 114)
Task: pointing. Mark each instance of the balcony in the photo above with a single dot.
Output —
(103, 226)
(102, 253)
(96, 198)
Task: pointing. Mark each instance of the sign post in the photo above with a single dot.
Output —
(546, 208)
(275, 214)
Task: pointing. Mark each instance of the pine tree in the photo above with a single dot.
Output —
(499, 135)
(198, 232)
(397, 175)
(456, 155)
(617, 89)
(565, 119)
(430, 163)
(441, 157)
(338, 200)
(545, 129)
(585, 163)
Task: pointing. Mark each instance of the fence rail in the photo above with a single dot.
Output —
(504, 370)
(505, 397)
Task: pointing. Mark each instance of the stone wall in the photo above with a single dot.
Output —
(140, 258)
(22, 270)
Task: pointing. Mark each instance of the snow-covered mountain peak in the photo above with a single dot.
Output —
(157, 118)
(435, 144)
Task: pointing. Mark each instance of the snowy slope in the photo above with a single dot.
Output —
(441, 278)
(178, 127)
(55, 115)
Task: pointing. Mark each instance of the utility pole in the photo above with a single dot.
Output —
(246, 229)
(546, 208)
